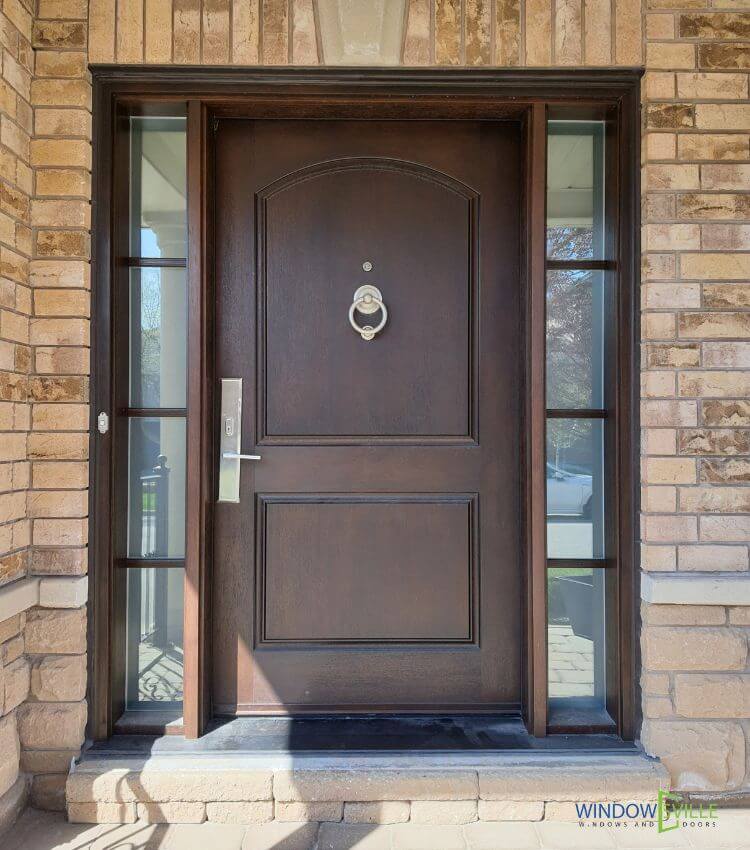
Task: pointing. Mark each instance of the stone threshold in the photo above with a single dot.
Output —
(445, 788)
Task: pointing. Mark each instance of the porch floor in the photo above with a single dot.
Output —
(47, 831)
(393, 733)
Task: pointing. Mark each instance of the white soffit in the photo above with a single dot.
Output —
(361, 32)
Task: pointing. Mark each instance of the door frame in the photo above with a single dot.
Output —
(528, 96)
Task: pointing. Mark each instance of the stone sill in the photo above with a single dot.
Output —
(18, 596)
(695, 588)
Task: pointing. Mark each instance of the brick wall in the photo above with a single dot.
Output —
(696, 324)
(16, 186)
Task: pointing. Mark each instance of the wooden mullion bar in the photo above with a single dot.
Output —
(153, 412)
(148, 563)
(581, 265)
(576, 413)
(587, 563)
(154, 263)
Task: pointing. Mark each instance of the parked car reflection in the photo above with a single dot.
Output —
(568, 492)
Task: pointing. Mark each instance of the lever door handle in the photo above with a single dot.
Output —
(230, 440)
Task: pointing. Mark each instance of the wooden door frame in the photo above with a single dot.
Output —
(524, 95)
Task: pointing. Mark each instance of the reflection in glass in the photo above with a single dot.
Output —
(575, 190)
(156, 488)
(575, 491)
(575, 350)
(576, 635)
(154, 668)
(158, 184)
(158, 337)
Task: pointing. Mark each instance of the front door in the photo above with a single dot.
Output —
(368, 295)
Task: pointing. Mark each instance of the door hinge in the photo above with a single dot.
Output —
(102, 422)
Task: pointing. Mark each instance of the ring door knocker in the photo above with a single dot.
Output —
(368, 300)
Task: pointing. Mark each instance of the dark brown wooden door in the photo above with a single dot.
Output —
(373, 562)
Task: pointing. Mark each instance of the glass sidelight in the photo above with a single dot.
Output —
(150, 425)
(579, 374)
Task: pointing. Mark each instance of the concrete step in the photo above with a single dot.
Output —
(439, 789)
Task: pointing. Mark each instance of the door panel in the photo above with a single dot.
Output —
(373, 562)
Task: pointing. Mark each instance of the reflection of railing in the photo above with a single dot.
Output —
(155, 510)
(155, 542)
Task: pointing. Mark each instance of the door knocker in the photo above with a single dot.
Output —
(368, 300)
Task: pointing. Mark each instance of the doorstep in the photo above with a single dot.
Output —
(436, 788)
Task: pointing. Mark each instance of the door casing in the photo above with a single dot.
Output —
(527, 95)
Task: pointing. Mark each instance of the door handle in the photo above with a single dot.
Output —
(230, 441)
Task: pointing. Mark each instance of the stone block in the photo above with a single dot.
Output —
(101, 812)
(301, 812)
(48, 792)
(374, 785)
(67, 592)
(260, 811)
(712, 695)
(48, 726)
(387, 811)
(444, 812)
(59, 678)
(694, 648)
(56, 631)
(9, 752)
(171, 812)
(700, 756)
(510, 810)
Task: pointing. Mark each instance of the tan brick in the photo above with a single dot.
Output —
(662, 116)
(708, 558)
(443, 812)
(63, 9)
(714, 499)
(659, 441)
(724, 414)
(725, 116)
(723, 56)
(719, 25)
(667, 529)
(665, 470)
(63, 181)
(16, 677)
(669, 413)
(60, 475)
(658, 326)
(241, 813)
(171, 812)
(101, 812)
(48, 792)
(659, 266)
(684, 615)
(727, 237)
(672, 237)
(510, 810)
(714, 325)
(725, 176)
(657, 384)
(71, 153)
(713, 384)
(9, 749)
(708, 146)
(56, 632)
(673, 355)
(698, 207)
(712, 695)
(661, 55)
(658, 85)
(657, 707)
(59, 678)
(724, 470)
(52, 503)
(725, 529)
(300, 812)
(658, 499)
(56, 417)
(714, 442)
(672, 177)
(693, 648)
(655, 684)
(739, 616)
(59, 562)
(670, 296)
(52, 63)
(59, 332)
(659, 26)
(661, 146)
(703, 86)
(62, 243)
(46, 213)
(61, 302)
(393, 811)
(45, 726)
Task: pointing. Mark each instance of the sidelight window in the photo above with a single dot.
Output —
(150, 301)
(579, 377)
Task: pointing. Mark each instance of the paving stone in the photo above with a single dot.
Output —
(492, 836)
(280, 836)
(570, 836)
(409, 836)
(345, 836)
(206, 835)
